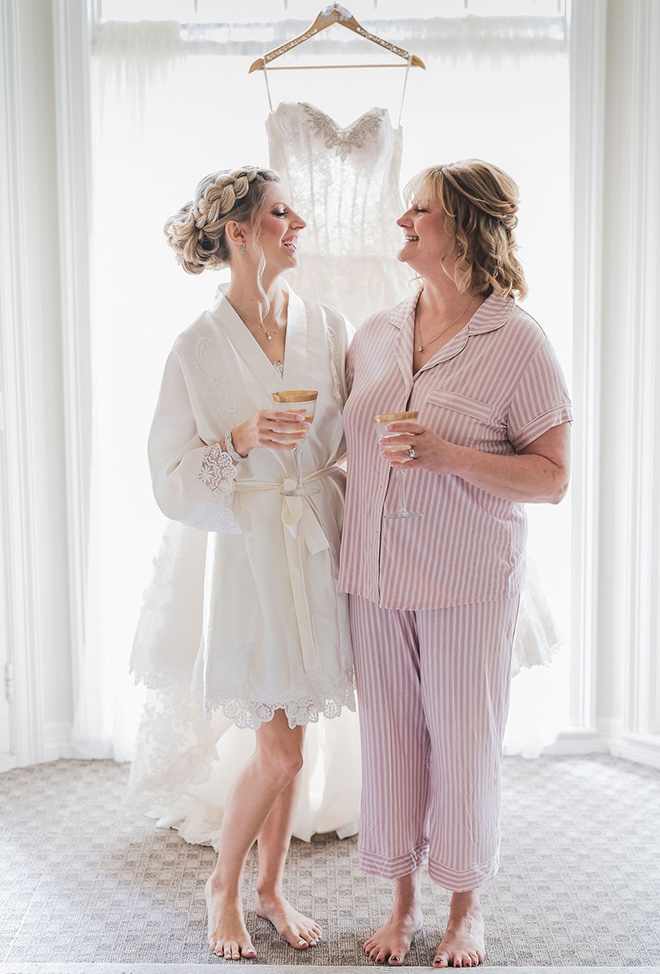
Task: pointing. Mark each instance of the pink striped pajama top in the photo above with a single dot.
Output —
(496, 386)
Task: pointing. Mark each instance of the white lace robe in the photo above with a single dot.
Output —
(243, 608)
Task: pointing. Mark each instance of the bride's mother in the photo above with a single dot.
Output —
(434, 598)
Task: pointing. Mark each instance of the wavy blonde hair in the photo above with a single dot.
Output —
(196, 232)
(480, 203)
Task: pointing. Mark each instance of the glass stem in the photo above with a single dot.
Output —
(401, 490)
(296, 460)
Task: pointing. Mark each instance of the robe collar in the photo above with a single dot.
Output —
(256, 360)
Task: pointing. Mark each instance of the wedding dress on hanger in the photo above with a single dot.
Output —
(345, 182)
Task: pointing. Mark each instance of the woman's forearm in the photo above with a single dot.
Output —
(524, 477)
(538, 474)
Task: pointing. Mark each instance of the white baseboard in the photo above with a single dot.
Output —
(57, 741)
(7, 762)
(643, 749)
(584, 741)
(639, 748)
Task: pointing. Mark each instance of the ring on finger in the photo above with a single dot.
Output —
(411, 453)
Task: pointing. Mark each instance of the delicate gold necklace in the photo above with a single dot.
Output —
(420, 345)
(268, 332)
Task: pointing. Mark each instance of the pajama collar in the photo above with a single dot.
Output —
(491, 315)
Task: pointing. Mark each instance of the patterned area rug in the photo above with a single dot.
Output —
(262, 969)
(85, 881)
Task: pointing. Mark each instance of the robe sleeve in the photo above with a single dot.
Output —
(193, 481)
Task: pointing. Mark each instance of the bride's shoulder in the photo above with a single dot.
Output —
(202, 327)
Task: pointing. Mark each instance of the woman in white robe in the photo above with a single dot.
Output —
(274, 649)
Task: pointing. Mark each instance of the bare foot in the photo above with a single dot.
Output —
(463, 944)
(392, 942)
(228, 936)
(295, 928)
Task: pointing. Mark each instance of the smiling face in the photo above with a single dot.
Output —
(279, 227)
(427, 245)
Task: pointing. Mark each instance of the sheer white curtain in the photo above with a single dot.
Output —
(164, 117)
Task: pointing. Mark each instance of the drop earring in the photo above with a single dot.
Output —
(242, 248)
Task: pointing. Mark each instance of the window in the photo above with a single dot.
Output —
(170, 104)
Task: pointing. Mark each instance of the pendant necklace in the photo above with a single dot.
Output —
(268, 332)
(421, 346)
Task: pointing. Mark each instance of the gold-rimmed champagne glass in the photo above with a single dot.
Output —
(298, 401)
(381, 421)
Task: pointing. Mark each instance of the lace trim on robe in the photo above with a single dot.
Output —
(246, 709)
(218, 473)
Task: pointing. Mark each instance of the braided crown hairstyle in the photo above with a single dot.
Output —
(196, 233)
(480, 203)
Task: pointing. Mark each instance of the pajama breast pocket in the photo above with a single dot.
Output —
(460, 419)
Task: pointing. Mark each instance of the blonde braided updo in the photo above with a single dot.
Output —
(480, 203)
(196, 233)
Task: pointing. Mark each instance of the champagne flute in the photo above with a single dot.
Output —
(381, 421)
(298, 401)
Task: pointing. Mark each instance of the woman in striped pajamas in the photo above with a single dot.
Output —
(434, 598)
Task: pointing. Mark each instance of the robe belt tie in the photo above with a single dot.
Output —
(302, 528)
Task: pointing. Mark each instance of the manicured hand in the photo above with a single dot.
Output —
(275, 429)
(431, 451)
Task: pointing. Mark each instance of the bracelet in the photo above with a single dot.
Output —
(236, 457)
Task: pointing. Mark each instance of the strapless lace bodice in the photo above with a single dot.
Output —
(345, 182)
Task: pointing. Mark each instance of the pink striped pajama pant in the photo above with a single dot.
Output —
(433, 691)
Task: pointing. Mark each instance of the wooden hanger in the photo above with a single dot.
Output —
(334, 14)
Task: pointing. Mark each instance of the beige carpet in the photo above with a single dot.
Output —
(84, 881)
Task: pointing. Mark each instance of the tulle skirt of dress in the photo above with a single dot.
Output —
(537, 637)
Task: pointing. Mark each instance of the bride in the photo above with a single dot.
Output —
(243, 619)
